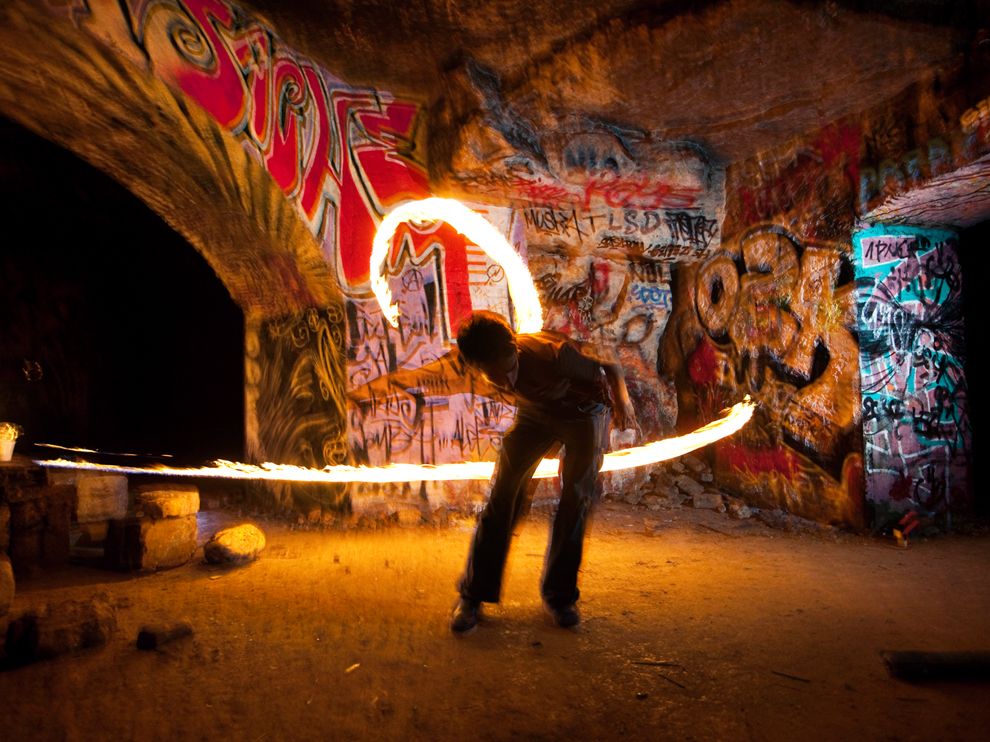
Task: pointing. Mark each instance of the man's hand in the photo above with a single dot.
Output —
(624, 415)
(625, 418)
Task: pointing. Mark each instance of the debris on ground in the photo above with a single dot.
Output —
(152, 636)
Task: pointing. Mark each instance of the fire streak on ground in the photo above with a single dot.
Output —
(649, 453)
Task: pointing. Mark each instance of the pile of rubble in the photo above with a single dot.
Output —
(690, 482)
(685, 481)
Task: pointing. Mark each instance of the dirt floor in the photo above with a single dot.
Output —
(696, 627)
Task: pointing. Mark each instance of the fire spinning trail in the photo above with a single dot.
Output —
(529, 314)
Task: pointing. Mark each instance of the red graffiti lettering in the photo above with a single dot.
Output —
(215, 82)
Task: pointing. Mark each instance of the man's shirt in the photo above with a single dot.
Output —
(556, 378)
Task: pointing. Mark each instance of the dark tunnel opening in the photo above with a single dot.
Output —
(115, 333)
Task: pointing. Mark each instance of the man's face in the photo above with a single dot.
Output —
(504, 370)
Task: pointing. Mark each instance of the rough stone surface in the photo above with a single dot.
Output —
(39, 528)
(669, 492)
(6, 584)
(706, 476)
(146, 544)
(695, 465)
(737, 508)
(707, 500)
(677, 467)
(167, 500)
(632, 498)
(100, 496)
(409, 516)
(689, 486)
(62, 476)
(235, 545)
(652, 502)
(60, 628)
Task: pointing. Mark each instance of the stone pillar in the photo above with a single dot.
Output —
(295, 402)
(916, 429)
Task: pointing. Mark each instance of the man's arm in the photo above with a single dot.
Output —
(625, 414)
(445, 376)
(577, 363)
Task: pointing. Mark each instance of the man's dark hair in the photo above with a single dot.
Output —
(484, 337)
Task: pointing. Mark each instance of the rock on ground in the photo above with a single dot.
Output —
(235, 545)
(707, 500)
(53, 630)
(688, 486)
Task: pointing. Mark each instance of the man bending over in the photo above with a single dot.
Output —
(563, 397)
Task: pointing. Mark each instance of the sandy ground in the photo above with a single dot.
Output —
(752, 634)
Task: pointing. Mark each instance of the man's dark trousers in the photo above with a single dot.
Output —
(585, 438)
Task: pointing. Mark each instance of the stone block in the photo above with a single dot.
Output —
(6, 585)
(58, 629)
(707, 500)
(62, 476)
(39, 529)
(147, 544)
(694, 464)
(235, 545)
(669, 492)
(688, 486)
(167, 500)
(100, 496)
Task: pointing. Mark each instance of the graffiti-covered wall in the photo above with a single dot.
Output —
(602, 240)
(771, 315)
(777, 313)
(916, 427)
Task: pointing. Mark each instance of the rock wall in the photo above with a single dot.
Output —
(789, 312)
(602, 260)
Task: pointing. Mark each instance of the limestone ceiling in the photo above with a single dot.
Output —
(503, 78)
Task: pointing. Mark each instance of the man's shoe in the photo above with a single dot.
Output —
(464, 619)
(563, 616)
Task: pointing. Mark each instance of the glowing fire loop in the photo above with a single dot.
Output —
(529, 314)
(650, 453)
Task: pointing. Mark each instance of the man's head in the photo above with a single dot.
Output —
(486, 342)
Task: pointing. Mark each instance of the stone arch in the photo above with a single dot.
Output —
(103, 103)
(70, 88)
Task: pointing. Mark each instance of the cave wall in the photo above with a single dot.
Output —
(783, 311)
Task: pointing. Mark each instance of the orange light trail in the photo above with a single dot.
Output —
(650, 453)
